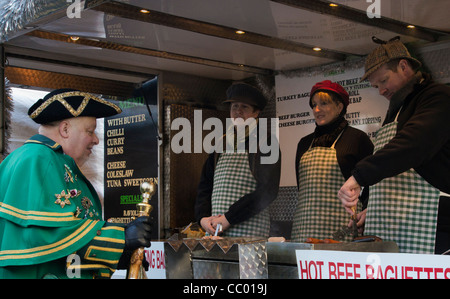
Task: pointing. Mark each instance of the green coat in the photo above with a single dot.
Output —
(48, 211)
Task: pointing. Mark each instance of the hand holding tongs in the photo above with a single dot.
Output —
(345, 230)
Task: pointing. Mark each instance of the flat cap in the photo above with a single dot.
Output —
(68, 103)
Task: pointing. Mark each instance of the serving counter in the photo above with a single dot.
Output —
(242, 258)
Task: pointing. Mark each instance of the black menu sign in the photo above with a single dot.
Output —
(131, 157)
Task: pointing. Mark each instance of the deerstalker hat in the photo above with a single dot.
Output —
(385, 52)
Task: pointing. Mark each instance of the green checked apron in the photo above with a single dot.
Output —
(232, 180)
(402, 208)
(319, 211)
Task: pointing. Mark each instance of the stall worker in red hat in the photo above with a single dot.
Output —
(50, 215)
(324, 160)
(409, 172)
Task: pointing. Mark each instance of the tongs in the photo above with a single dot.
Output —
(218, 229)
(345, 230)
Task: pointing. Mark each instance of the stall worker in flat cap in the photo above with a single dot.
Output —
(323, 162)
(409, 171)
(49, 210)
(236, 187)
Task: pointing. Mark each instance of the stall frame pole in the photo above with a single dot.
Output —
(2, 102)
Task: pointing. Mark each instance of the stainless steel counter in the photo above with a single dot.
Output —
(242, 258)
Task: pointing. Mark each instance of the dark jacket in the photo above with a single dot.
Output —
(422, 141)
(267, 178)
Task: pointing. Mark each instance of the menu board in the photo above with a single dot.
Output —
(131, 157)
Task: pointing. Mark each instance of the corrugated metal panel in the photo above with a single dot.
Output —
(44, 79)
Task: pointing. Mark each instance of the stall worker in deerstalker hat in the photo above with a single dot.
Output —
(235, 187)
(323, 162)
(50, 215)
(409, 171)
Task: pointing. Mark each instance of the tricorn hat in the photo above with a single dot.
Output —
(67, 103)
(245, 93)
(385, 52)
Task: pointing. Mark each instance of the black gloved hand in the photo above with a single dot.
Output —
(137, 233)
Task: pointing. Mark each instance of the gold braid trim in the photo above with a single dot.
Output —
(60, 98)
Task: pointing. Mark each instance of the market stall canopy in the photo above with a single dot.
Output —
(231, 40)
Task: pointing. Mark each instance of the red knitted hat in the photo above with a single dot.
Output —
(327, 85)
